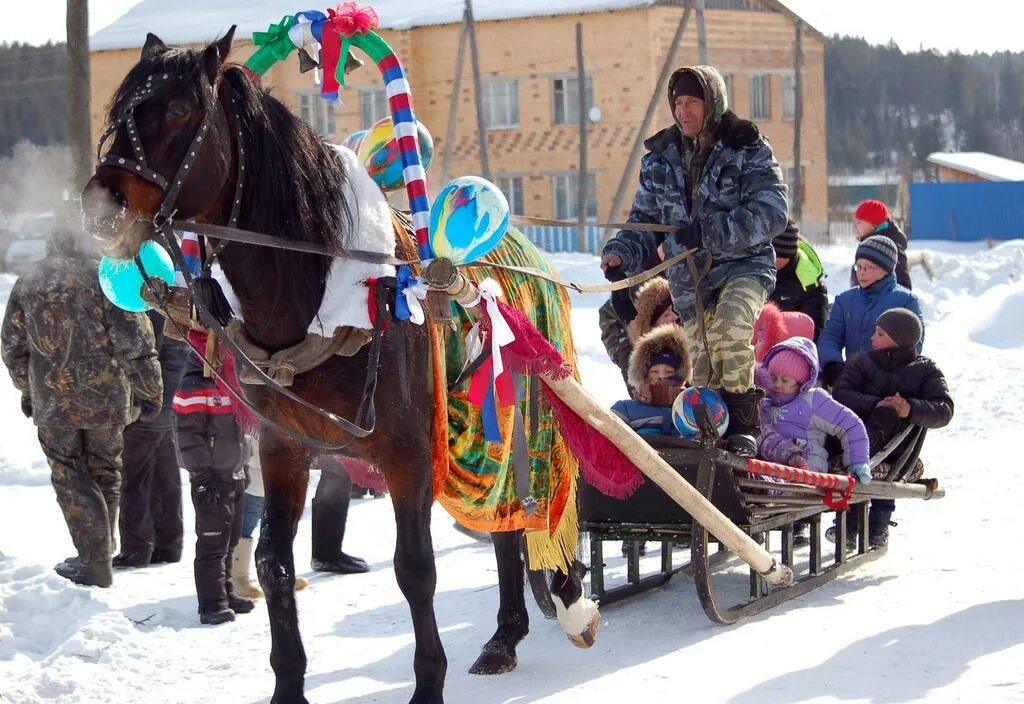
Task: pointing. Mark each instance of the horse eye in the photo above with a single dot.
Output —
(179, 109)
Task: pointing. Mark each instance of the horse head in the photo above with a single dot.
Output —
(171, 150)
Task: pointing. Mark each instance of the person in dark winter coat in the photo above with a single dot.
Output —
(714, 177)
(151, 523)
(613, 335)
(799, 279)
(890, 387)
(851, 323)
(659, 368)
(872, 218)
(210, 446)
(796, 416)
(85, 370)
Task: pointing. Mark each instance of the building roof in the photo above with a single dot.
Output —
(981, 164)
(199, 21)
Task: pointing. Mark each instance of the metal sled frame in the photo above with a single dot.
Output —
(758, 507)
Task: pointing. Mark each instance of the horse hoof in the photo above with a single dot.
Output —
(587, 638)
(580, 621)
(495, 659)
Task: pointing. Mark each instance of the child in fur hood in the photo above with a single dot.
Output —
(796, 417)
(659, 368)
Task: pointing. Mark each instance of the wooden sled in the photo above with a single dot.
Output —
(760, 508)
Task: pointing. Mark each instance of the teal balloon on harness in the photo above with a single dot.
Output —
(685, 419)
(468, 219)
(121, 280)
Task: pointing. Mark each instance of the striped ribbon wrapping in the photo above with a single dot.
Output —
(355, 27)
(842, 483)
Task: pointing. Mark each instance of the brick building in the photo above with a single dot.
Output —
(529, 94)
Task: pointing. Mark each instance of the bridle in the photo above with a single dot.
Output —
(140, 167)
(163, 227)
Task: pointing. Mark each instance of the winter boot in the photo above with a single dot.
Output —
(744, 421)
(239, 605)
(878, 527)
(90, 574)
(127, 560)
(165, 556)
(241, 563)
(216, 616)
(342, 564)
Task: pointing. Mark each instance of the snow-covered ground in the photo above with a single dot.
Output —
(939, 619)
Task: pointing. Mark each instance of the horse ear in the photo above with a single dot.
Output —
(153, 46)
(216, 54)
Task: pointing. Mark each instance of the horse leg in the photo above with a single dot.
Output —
(285, 476)
(499, 653)
(411, 495)
(577, 614)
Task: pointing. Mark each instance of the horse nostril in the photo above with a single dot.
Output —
(119, 198)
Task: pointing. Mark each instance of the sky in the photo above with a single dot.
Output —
(990, 25)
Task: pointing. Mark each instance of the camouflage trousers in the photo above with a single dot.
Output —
(730, 327)
(85, 470)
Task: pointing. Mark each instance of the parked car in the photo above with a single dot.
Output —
(22, 254)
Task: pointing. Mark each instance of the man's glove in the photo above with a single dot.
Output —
(831, 372)
(690, 236)
(26, 406)
(148, 410)
(861, 472)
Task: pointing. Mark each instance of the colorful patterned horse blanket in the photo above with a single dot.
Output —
(475, 479)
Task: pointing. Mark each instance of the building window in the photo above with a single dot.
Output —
(788, 97)
(512, 187)
(501, 104)
(566, 100)
(567, 196)
(373, 105)
(318, 113)
(760, 97)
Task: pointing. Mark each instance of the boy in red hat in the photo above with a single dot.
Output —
(872, 218)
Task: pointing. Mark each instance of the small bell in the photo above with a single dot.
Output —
(306, 62)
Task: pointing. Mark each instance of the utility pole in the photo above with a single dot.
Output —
(485, 165)
(702, 38)
(628, 174)
(797, 208)
(581, 204)
(453, 106)
(79, 127)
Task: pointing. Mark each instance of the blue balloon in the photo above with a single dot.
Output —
(121, 280)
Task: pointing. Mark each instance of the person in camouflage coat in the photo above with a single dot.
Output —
(713, 176)
(85, 369)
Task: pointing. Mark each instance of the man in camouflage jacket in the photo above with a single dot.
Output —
(713, 176)
(85, 369)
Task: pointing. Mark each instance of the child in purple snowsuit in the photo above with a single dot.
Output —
(796, 417)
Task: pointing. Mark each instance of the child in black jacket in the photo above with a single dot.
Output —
(890, 387)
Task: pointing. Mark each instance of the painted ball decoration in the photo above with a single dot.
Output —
(354, 140)
(468, 219)
(381, 155)
(121, 280)
(683, 417)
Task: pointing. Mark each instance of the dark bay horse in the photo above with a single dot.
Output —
(186, 127)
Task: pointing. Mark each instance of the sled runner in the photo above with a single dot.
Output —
(763, 509)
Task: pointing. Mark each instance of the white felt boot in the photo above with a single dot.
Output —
(241, 563)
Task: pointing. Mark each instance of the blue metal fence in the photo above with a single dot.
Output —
(967, 211)
(563, 239)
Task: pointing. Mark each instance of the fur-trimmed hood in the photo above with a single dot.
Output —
(651, 298)
(664, 338)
